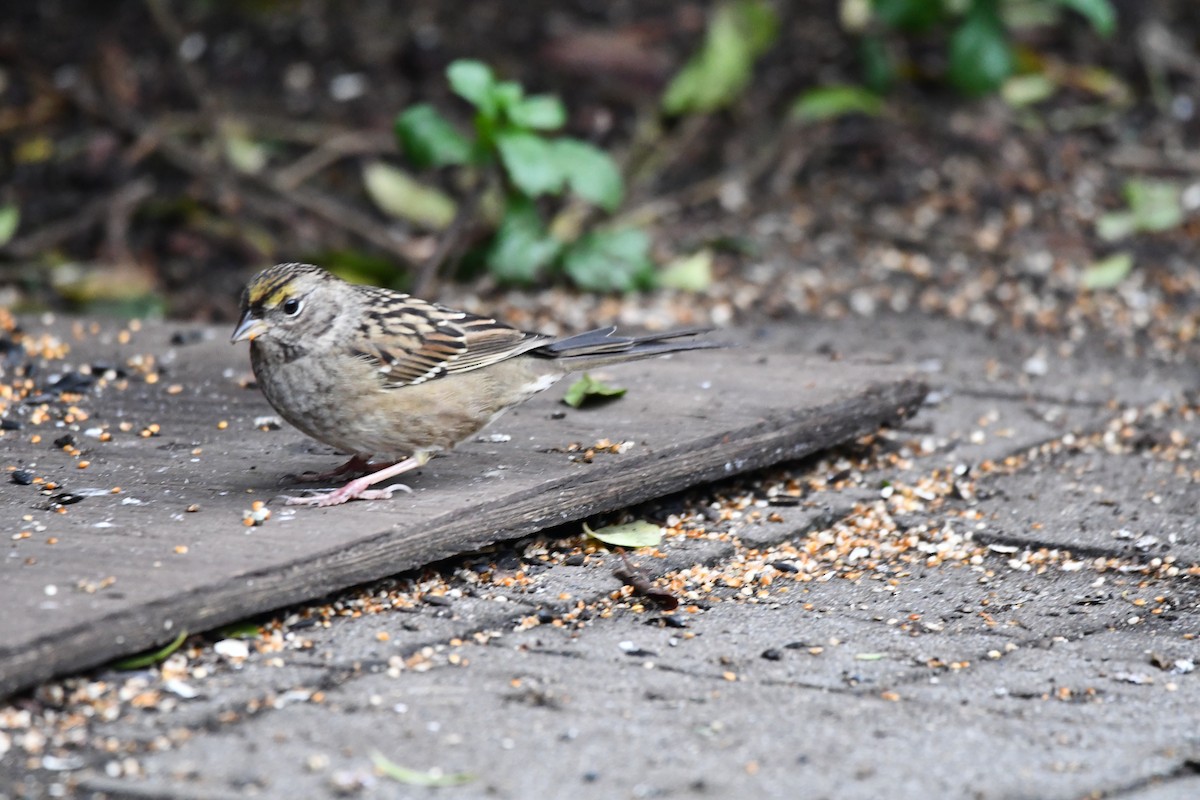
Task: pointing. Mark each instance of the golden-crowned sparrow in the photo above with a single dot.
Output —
(373, 372)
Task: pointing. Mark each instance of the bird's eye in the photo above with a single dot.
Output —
(291, 306)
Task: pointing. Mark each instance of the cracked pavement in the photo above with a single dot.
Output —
(1035, 639)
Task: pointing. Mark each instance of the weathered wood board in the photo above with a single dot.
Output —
(120, 572)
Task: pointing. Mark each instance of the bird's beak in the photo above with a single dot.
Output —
(250, 327)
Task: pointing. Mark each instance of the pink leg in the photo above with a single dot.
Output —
(359, 488)
(357, 465)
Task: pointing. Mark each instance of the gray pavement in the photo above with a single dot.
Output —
(997, 599)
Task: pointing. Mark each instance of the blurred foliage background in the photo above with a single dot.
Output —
(153, 153)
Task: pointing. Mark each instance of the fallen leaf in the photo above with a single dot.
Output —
(830, 102)
(152, 657)
(1026, 90)
(691, 273)
(10, 218)
(1155, 204)
(1108, 272)
(588, 389)
(239, 630)
(413, 777)
(397, 193)
(631, 534)
(245, 154)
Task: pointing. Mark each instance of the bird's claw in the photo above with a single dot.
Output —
(324, 498)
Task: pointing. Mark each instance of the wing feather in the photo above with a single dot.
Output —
(412, 341)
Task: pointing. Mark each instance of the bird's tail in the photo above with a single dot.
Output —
(602, 347)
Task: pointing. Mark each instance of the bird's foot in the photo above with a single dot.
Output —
(360, 488)
(355, 466)
(335, 497)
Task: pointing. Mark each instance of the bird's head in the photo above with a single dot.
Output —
(288, 304)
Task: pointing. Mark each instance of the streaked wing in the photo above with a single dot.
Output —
(413, 341)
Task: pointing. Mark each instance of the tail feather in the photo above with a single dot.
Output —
(602, 347)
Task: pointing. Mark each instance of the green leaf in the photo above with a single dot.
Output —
(590, 173)
(245, 154)
(1115, 225)
(830, 102)
(239, 630)
(360, 266)
(522, 247)
(689, 273)
(757, 23)
(1155, 204)
(631, 534)
(429, 139)
(1025, 90)
(879, 73)
(1030, 15)
(10, 219)
(1109, 272)
(541, 112)
(980, 55)
(473, 81)
(412, 777)
(589, 390)
(507, 95)
(605, 261)
(151, 657)
(1100, 13)
(738, 33)
(397, 193)
(1103, 83)
(530, 163)
(909, 15)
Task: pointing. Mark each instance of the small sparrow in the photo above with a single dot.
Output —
(376, 373)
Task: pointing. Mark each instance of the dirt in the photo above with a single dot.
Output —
(967, 209)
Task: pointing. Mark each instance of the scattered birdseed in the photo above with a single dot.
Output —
(257, 514)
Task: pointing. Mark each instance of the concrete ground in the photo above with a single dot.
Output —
(999, 599)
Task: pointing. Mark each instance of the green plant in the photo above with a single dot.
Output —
(514, 151)
(1153, 207)
(980, 55)
(737, 34)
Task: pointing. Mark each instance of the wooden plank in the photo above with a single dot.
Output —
(121, 572)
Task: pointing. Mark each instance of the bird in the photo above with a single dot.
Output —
(376, 373)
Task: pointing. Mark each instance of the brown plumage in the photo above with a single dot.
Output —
(374, 372)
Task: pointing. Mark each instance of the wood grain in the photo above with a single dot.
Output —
(130, 570)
